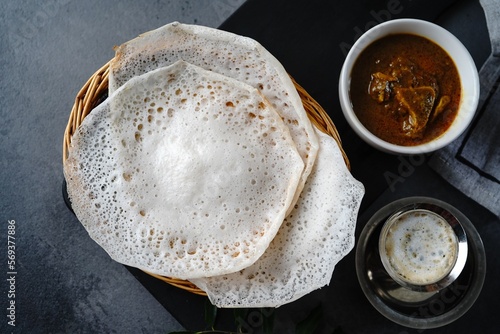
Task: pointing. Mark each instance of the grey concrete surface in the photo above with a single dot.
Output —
(62, 281)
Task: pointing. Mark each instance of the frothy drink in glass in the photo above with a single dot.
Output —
(419, 247)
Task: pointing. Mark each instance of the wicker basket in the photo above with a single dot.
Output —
(95, 91)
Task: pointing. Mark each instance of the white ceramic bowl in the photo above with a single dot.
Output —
(466, 68)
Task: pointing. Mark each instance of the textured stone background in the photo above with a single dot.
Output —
(65, 283)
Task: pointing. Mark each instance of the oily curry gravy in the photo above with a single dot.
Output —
(405, 89)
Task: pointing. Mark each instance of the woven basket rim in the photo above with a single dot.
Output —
(96, 87)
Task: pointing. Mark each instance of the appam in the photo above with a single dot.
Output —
(183, 172)
(317, 234)
(235, 56)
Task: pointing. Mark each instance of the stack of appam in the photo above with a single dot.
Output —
(203, 165)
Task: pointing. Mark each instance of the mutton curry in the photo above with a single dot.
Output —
(405, 89)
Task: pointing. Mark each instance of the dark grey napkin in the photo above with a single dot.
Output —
(472, 162)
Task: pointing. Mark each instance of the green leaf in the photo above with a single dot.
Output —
(240, 318)
(338, 330)
(210, 314)
(203, 332)
(268, 320)
(311, 322)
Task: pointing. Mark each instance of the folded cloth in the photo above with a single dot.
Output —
(472, 162)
